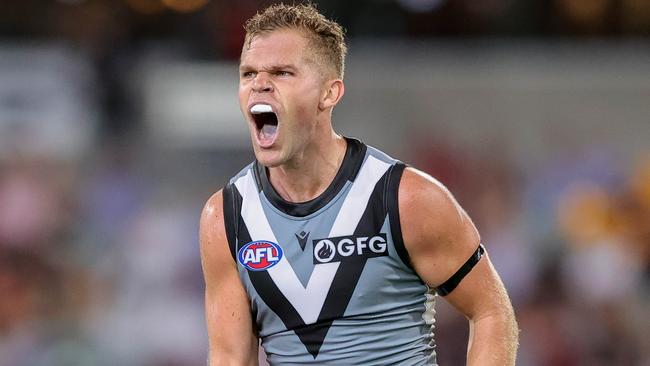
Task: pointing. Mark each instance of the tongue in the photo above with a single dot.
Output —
(268, 131)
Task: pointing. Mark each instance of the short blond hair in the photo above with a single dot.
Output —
(327, 37)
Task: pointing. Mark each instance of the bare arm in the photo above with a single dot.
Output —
(440, 237)
(232, 338)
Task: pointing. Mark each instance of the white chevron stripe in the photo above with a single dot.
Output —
(357, 199)
(309, 301)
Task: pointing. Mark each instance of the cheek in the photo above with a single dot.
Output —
(242, 96)
(309, 98)
(243, 103)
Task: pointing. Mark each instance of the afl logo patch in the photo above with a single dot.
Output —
(259, 255)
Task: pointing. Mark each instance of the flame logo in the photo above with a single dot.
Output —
(324, 251)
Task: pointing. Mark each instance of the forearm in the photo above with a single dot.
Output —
(232, 345)
(221, 358)
(493, 340)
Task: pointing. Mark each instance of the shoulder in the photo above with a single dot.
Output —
(212, 232)
(437, 232)
(416, 186)
(212, 214)
(215, 200)
(213, 207)
(217, 214)
(420, 193)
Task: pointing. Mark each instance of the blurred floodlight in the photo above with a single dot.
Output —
(185, 6)
(585, 12)
(192, 104)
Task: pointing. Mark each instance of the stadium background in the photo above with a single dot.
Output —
(118, 118)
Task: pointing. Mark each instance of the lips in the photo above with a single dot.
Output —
(266, 124)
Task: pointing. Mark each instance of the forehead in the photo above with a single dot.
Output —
(286, 46)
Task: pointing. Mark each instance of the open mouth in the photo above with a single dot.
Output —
(266, 123)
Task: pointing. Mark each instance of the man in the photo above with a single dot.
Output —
(325, 248)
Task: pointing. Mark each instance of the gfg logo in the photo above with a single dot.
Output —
(346, 247)
(259, 255)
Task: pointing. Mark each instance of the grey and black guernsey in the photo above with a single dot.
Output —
(329, 280)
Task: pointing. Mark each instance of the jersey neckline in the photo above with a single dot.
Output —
(354, 156)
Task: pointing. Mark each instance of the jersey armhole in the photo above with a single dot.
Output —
(392, 194)
(231, 203)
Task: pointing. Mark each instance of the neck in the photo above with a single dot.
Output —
(309, 175)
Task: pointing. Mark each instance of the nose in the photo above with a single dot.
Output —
(261, 83)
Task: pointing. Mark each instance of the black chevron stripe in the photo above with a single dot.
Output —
(343, 284)
(231, 206)
(349, 272)
(268, 290)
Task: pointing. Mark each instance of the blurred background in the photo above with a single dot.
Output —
(119, 118)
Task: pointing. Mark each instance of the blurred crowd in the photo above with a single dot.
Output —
(96, 267)
(99, 261)
(99, 258)
(571, 240)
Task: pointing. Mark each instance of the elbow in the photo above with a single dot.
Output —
(500, 322)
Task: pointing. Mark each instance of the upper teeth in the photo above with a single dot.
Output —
(261, 108)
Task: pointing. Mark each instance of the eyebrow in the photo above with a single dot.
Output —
(269, 68)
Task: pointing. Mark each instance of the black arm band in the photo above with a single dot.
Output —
(453, 281)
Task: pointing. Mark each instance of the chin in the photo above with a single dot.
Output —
(269, 159)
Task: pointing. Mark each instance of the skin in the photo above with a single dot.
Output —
(275, 70)
(232, 337)
(302, 162)
(439, 237)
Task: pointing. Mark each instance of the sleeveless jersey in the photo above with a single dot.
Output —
(329, 280)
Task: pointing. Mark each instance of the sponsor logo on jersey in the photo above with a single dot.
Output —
(342, 248)
(260, 255)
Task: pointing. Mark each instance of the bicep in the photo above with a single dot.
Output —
(441, 239)
(438, 234)
(231, 334)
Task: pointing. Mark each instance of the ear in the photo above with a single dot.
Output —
(332, 92)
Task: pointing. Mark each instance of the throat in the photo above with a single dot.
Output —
(308, 179)
(297, 187)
